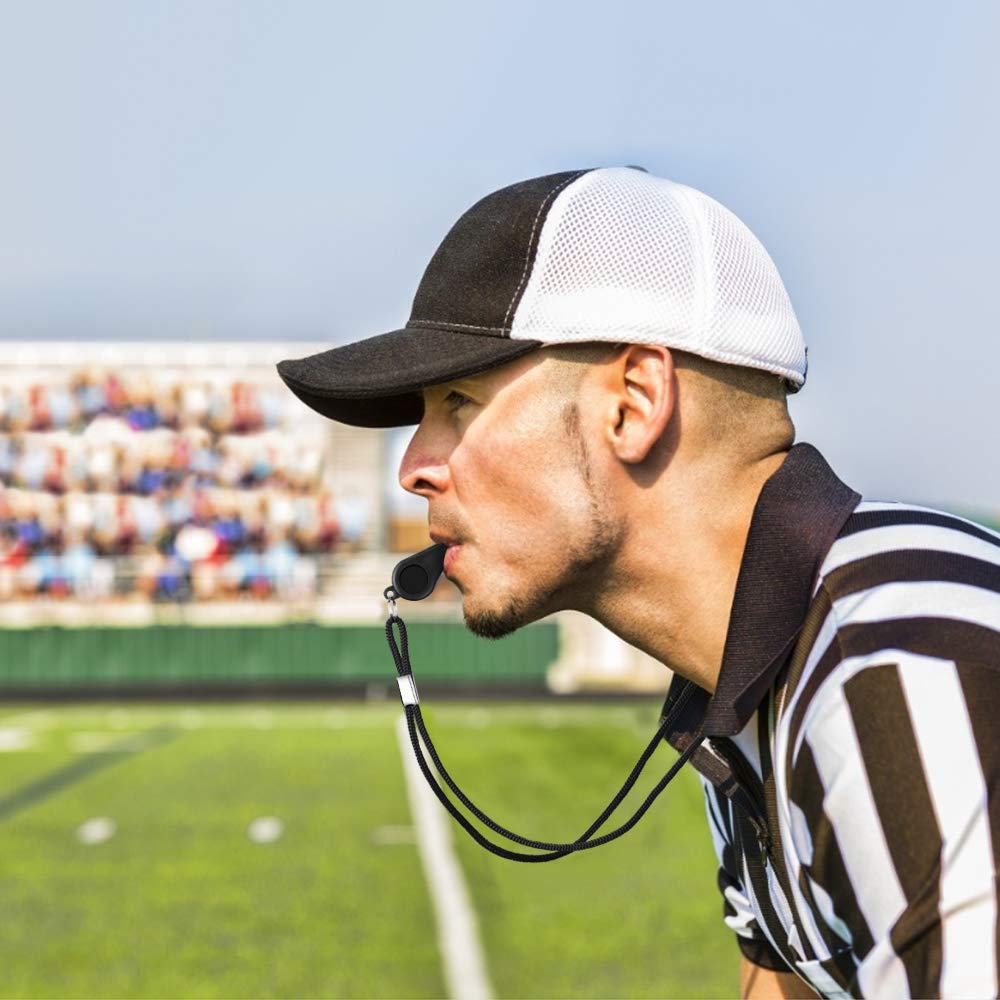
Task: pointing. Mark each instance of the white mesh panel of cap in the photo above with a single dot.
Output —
(625, 255)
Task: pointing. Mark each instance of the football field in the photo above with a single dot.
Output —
(274, 850)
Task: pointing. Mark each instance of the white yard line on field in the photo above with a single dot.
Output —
(457, 927)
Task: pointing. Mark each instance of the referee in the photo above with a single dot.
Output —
(598, 362)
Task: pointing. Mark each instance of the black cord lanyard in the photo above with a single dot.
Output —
(415, 721)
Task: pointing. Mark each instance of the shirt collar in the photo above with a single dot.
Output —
(799, 512)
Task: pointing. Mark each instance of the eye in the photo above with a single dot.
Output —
(456, 400)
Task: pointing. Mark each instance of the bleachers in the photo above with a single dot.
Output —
(125, 480)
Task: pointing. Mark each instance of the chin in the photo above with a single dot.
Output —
(500, 620)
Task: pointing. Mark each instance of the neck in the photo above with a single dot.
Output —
(670, 590)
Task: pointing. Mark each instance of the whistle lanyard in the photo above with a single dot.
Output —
(415, 722)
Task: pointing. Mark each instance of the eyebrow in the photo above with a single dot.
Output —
(469, 381)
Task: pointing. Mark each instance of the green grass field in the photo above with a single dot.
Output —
(180, 902)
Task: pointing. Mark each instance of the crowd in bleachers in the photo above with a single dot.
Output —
(142, 402)
(116, 484)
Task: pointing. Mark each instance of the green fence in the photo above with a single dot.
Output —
(164, 657)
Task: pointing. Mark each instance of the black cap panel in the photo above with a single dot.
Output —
(478, 273)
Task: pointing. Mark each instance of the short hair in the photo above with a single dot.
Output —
(748, 406)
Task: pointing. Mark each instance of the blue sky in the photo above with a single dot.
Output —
(283, 171)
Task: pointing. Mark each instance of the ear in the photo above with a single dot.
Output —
(639, 390)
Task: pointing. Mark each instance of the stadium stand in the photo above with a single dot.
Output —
(194, 478)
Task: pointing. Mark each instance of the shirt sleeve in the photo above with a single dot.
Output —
(736, 910)
(895, 804)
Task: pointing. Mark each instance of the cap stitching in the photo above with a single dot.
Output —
(531, 237)
(709, 286)
(448, 322)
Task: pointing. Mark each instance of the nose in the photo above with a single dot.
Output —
(422, 470)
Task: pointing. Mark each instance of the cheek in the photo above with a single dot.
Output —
(517, 477)
(495, 482)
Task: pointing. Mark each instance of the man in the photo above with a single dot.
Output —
(598, 362)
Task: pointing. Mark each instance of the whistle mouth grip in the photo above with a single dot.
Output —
(416, 576)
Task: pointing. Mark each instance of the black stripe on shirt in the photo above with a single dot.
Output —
(818, 613)
(865, 520)
(909, 566)
(788, 681)
(843, 959)
(948, 638)
(899, 789)
(982, 699)
(827, 866)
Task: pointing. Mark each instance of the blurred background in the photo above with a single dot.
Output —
(205, 791)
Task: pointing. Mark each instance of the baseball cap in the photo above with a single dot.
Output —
(603, 254)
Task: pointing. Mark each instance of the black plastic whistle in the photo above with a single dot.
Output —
(416, 576)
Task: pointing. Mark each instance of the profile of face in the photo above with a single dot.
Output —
(503, 461)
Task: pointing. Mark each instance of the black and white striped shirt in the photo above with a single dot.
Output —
(852, 765)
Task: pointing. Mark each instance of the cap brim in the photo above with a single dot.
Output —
(377, 382)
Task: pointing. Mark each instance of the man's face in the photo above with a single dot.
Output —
(502, 459)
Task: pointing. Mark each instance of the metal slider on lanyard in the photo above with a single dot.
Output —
(407, 685)
(408, 690)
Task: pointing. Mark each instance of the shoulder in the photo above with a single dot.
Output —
(900, 538)
(917, 576)
(905, 610)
